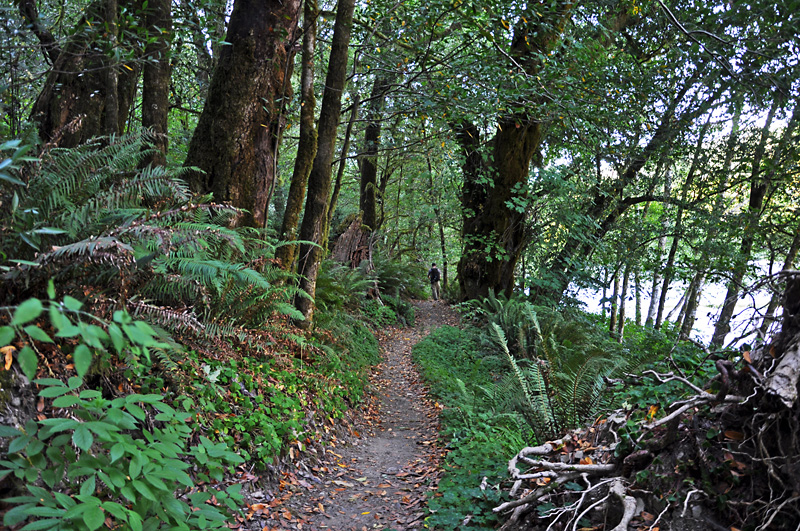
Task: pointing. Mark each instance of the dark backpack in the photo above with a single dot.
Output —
(433, 274)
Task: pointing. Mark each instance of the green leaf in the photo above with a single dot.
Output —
(52, 392)
(68, 331)
(94, 518)
(27, 312)
(51, 289)
(17, 515)
(88, 486)
(66, 401)
(135, 467)
(138, 337)
(116, 510)
(74, 382)
(117, 337)
(8, 431)
(82, 438)
(135, 521)
(46, 512)
(83, 359)
(37, 334)
(136, 411)
(6, 335)
(18, 444)
(49, 381)
(41, 524)
(72, 303)
(63, 500)
(117, 451)
(144, 490)
(28, 362)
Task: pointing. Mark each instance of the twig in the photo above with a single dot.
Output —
(686, 501)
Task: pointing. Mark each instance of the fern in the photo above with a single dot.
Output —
(105, 227)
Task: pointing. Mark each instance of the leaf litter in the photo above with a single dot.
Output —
(379, 476)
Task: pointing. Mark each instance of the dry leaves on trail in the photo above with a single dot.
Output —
(382, 479)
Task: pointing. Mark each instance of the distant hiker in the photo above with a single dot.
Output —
(434, 276)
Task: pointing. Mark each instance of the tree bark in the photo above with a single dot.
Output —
(314, 228)
(622, 297)
(759, 184)
(156, 78)
(369, 157)
(493, 228)
(774, 302)
(75, 103)
(662, 244)
(307, 146)
(236, 139)
(612, 322)
(112, 125)
(348, 134)
(669, 267)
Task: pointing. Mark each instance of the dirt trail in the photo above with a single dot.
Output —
(379, 481)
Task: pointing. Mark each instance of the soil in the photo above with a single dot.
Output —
(380, 478)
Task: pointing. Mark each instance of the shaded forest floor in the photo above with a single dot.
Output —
(380, 477)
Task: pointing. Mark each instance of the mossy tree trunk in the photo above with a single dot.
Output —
(493, 220)
(75, 103)
(236, 140)
(369, 159)
(156, 77)
(314, 228)
(307, 146)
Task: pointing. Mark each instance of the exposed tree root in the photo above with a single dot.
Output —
(722, 460)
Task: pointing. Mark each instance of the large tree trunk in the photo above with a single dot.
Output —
(369, 157)
(236, 140)
(307, 146)
(490, 191)
(759, 184)
(156, 78)
(314, 228)
(76, 103)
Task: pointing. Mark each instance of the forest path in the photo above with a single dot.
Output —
(379, 481)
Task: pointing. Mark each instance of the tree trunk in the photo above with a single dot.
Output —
(75, 104)
(314, 228)
(348, 134)
(669, 267)
(236, 139)
(307, 146)
(493, 230)
(692, 300)
(662, 244)
(156, 78)
(612, 322)
(759, 184)
(774, 302)
(622, 296)
(369, 157)
(638, 293)
(112, 125)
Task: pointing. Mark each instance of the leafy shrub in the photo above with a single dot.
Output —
(466, 379)
(123, 458)
(403, 309)
(378, 315)
(400, 279)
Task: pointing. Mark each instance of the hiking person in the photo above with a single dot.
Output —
(434, 276)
